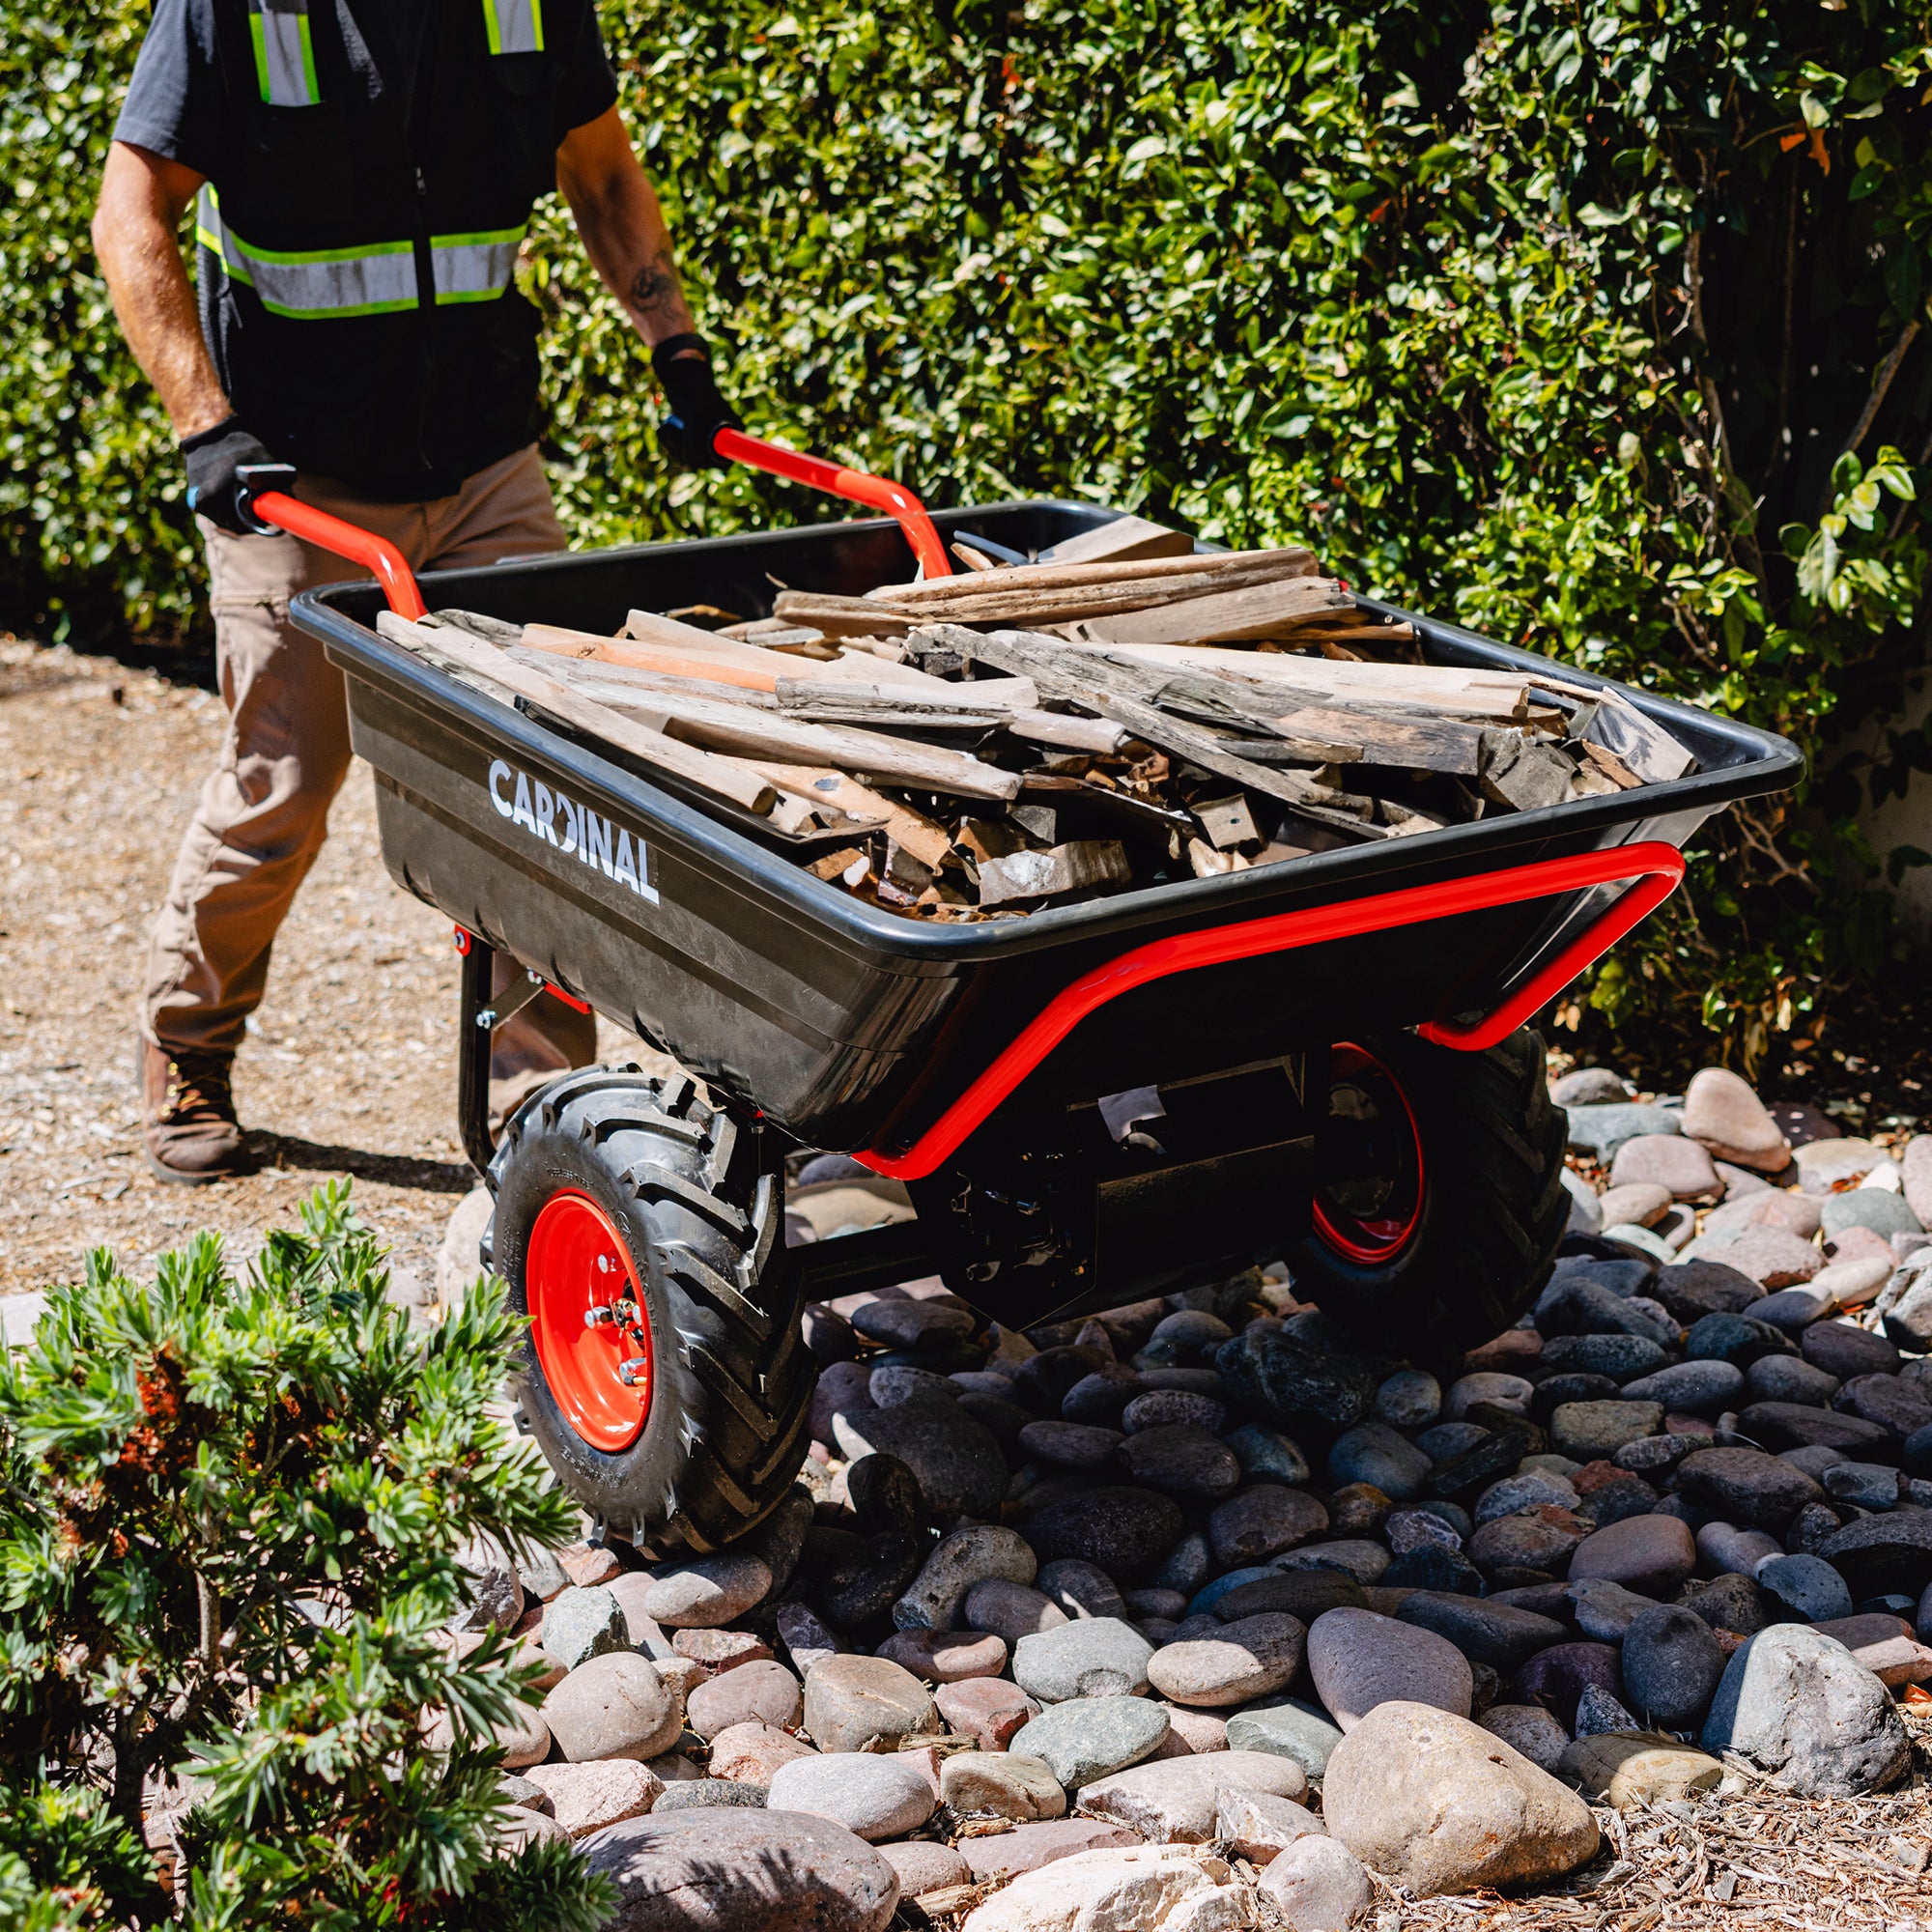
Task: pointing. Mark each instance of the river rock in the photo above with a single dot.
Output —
(749, 1870)
(1410, 1399)
(1883, 1555)
(757, 1692)
(945, 1657)
(975, 1554)
(1723, 1112)
(1289, 1728)
(1146, 1885)
(584, 1798)
(1358, 1660)
(579, 1625)
(615, 1705)
(1266, 1454)
(1602, 1129)
(1080, 1589)
(1087, 1738)
(1800, 1706)
(1295, 1383)
(1624, 1769)
(1486, 1631)
(1123, 1532)
(1748, 1485)
(1780, 1426)
(1176, 1801)
(863, 1585)
(989, 1709)
(1689, 1291)
(1650, 1554)
(1439, 1803)
(1691, 1388)
(1317, 1885)
(1530, 1730)
(1180, 1460)
(1257, 1827)
(1095, 1657)
(1261, 1522)
(1011, 1611)
(1808, 1587)
(873, 1796)
(752, 1754)
(1844, 1350)
(1669, 1161)
(1671, 1664)
(957, 1459)
(1001, 1784)
(852, 1701)
(1242, 1661)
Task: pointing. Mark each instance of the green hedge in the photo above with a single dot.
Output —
(1551, 317)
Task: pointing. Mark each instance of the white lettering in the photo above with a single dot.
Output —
(597, 848)
(572, 819)
(546, 812)
(499, 770)
(626, 873)
(523, 814)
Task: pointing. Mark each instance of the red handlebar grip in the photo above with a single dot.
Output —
(859, 487)
(376, 555)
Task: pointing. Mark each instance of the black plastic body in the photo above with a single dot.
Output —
(850, 1027)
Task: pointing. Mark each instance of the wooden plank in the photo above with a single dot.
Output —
(1256, 611)
(625, 683)
(1037, 593)
(1072, 868)
(925, 839)
(1431, 744)
(986, 700)
(724, 778)
(839, 616)
(1227, 822)
(1120, 540)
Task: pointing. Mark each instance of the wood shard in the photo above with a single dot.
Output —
(1523, 772)
(1124, 539)
(1227, 822)
(1072, 868)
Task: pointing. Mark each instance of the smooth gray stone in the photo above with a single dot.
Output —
(1288, 1727)
(1266, 1454)
(1374, 1453)
(1602, 1129)
(1090, 1737)
(1807, 1586)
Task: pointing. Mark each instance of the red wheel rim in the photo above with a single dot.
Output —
(1370, 1213)
(588, 1321)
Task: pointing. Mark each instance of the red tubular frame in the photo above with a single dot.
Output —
(376, 555)
(735, 446)
(1655, 866)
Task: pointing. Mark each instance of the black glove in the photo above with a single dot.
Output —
(214, 457)
(698, 412)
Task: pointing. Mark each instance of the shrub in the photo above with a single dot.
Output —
(227, 1558)
(1591, 326)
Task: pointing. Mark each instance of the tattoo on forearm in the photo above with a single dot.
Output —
(653, 287)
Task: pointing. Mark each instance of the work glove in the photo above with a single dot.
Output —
(697, 411)
(215, 458)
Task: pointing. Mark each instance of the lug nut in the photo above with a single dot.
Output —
(633, 1371)
(594, 1317)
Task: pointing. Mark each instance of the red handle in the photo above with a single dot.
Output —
(1656, 867)
(376, 555)
(735, 446)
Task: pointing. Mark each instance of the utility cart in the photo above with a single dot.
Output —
(1322, 1061)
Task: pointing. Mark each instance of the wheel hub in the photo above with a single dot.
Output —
(1369, 1179)
(587, 1321)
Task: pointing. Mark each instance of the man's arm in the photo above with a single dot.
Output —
(623, 228)
(135, 230)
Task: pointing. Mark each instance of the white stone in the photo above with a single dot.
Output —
(1144, 1889)
(1174, 1801)
(1317, 1885)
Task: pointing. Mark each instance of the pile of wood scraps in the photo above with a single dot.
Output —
(1028, 733)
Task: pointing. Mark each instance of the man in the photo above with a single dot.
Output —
(364, 170)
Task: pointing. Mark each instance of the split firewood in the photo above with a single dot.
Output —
(1522, 771)
(839, 616)
(1117, 541)
(722, 776)
(1262, 610)
(1227, 822)
(1064, 868)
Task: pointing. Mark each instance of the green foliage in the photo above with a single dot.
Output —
(227, 1557)
(1555, 317)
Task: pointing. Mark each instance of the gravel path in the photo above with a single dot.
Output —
(349, 1069)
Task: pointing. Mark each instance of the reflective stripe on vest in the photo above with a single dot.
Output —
(378, 279)
(514, 26)
(284, 54)
(313, 283)
(474, 268)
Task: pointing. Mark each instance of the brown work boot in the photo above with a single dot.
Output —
(188, 1115)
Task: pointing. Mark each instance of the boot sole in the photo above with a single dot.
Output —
(178, 1178)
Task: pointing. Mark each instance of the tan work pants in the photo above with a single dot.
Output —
(264, 810)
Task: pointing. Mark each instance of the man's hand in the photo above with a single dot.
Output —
(698, 412)
(213, 486)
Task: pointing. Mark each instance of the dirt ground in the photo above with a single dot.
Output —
(349, 1069)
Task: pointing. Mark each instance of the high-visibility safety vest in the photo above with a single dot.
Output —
(357, 259)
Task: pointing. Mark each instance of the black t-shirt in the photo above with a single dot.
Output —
(333, 395)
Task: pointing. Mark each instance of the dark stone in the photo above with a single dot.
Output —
(1844, 1351)
(1789, 1378)
(1508, 1578)
(1191, 1382)
(1656, 1455)
(1748, 1486)
(1099, 1398)
(1042, 1380)
(1542, 1600)
(1485, 1462)
(1883, 1555)
(1788, 1425)
(1005, 1419)
(1449, 1440)
(1124, 1532)
(1556, 1677)
(1305, 1593)
(1736, 1339)
(1896, 1406)
(1485, 1630)
(1918, 1456)
(1622, 1276)
(885, 1497)
(1692, 1388)
(873, 1579)
(1295, 1386)
(1671, 1667)
(1181, 1459)
(1574, 1305)
(1620, 1498)
(1809, 1529)
(1433, 1568)
(1187, 1566)
(1729, 1601)
(1693, 1290)
(1554, 1391)
(1621, 1357)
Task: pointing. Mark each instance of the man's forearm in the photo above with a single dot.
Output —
(134, 236)
(623, 228)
